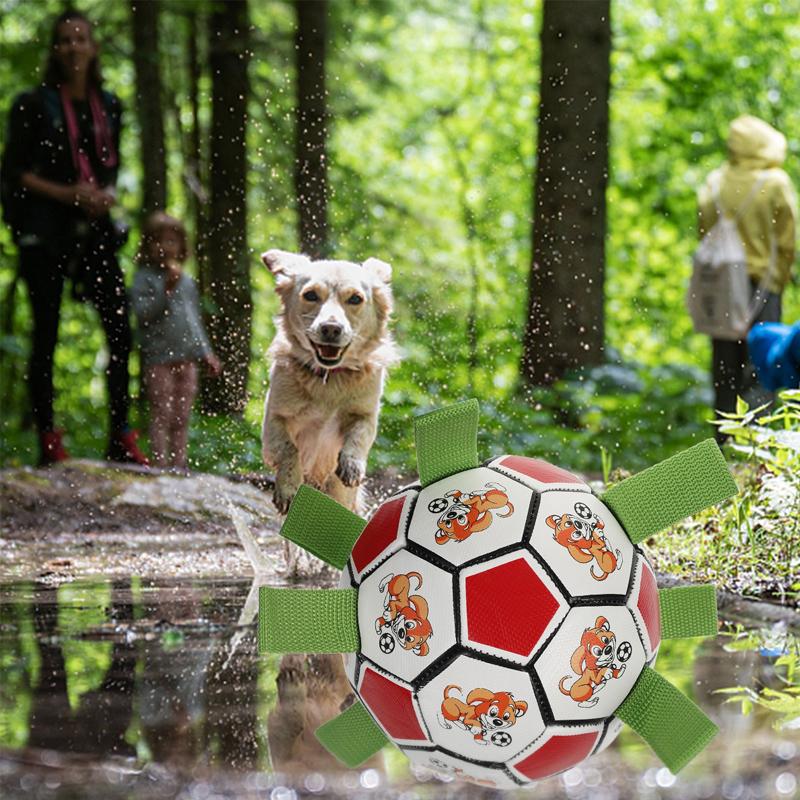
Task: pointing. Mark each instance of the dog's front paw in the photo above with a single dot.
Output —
(286, 487)
(350, 471)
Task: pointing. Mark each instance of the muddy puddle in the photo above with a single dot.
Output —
(147, 688)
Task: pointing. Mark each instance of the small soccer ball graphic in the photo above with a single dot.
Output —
(503, 616)
(499, 622)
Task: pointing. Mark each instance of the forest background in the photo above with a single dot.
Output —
(431, 155)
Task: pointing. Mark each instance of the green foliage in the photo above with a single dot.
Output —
(432, 152)
(783, 702)
(81, 608)
(752, 543)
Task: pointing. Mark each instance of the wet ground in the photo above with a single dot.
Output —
(128, 666)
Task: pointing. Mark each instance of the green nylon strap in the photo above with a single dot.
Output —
(668, 492)
(674, 727)
(353, 736)
(307, 620)
(447, 441)
(322, 527)
(688, 611)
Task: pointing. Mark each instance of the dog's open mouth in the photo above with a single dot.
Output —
(329, 355)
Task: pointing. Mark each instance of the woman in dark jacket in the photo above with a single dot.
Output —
(59, 170)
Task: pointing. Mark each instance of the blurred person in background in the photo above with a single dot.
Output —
(752, 187)
(57, 180)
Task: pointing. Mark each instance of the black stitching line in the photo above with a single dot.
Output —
(582, 487)
(502, 471)
(541, 697)
(510, 774)
(637, 557)
(635, 612)
(566, 595)
(589, 600)
(603, 734)
(428, 555)
(357, 671)
(350, 574)
(497, 468)
(501, 551)
(457, 604)
(433, 670)
(530, 519)
(498, 765)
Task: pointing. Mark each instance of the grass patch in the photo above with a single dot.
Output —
(751, 544)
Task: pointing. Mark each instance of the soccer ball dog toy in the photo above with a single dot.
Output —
(499, 621)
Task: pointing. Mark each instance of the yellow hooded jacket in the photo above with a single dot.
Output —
(756, 152)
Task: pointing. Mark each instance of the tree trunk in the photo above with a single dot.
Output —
(228, 257)
(565, 327)
(195, 176)
(149, 105)
(311, 168)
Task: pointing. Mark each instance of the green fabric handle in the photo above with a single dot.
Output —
(688, 611)
(321, 526)
(447, 441)
(668, 492)
(674, 727)
(353, 736)
(307, 620)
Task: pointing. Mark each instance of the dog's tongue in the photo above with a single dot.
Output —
(329, 351)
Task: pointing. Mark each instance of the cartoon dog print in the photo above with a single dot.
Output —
(582, 534)
(483, 714)
(406, 615)
(471, 513)
(593, 662)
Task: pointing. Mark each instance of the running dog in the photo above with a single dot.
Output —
(329, 358)
(471, 513)
(406, 615)
(484, 712)
(593, 661)
(585, 541)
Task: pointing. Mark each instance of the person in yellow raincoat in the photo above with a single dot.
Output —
(752, 182)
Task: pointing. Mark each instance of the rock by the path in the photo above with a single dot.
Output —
(83, 518)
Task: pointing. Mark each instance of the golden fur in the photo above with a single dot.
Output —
(320, 416)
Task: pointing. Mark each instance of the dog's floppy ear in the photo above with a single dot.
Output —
(479, 695)
(578, 657)
(284, 266)
(380, 269)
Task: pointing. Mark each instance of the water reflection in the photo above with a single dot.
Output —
(121, 688)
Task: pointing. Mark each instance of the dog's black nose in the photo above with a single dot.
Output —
(330, 331)
(497, 722)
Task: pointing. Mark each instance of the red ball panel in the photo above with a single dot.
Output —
(508, 607)
(392, 704)
(379, 534)
(649, 606)
(557, 754)
(538, 470)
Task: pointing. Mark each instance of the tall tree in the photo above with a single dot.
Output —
(226, 244)
(565, 328)
(311, 166)
(195, 176)
(149, 103)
